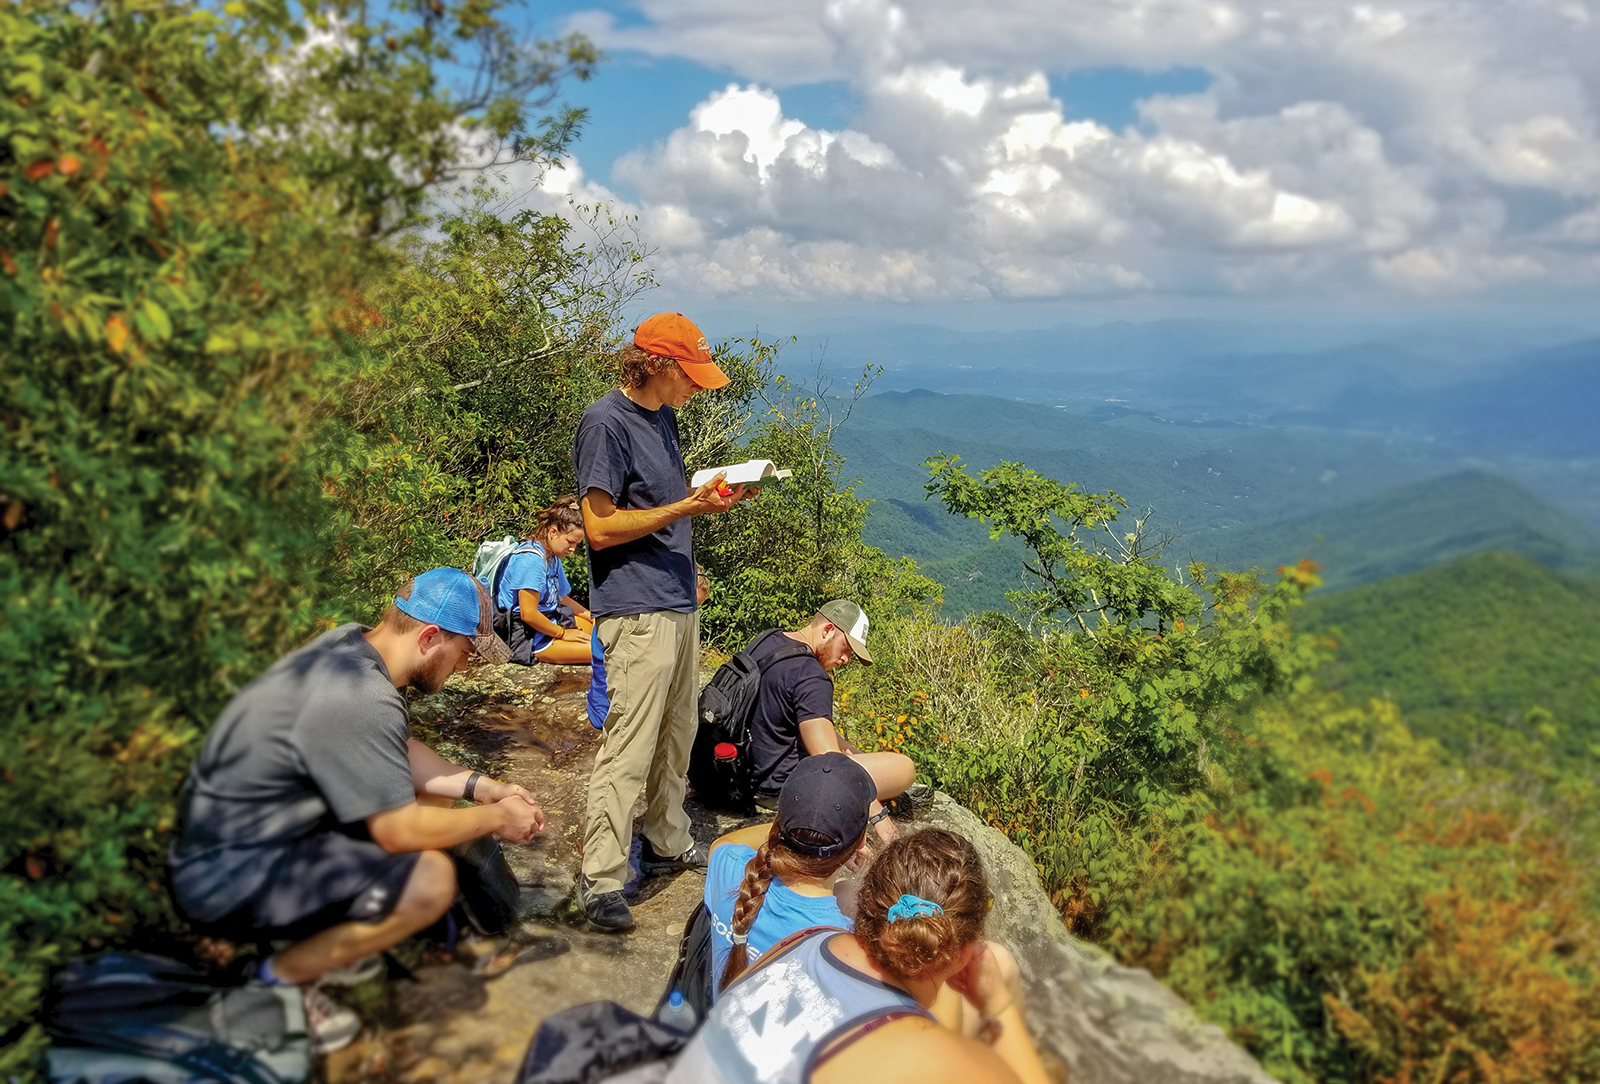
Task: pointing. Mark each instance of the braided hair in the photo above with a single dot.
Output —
(772, 859)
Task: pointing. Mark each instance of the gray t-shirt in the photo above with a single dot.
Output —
(632, 454)
(316, 741)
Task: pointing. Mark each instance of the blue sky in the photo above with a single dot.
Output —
(1136, 158)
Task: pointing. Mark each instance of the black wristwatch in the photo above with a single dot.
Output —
(472, 785)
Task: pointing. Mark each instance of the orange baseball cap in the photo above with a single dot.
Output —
(673, 335)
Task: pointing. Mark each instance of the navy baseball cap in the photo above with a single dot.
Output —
(822, 808)
(458, 603)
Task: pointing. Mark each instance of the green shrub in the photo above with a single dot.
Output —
(1110, 713)
(1353, 906)
(183, 234)
(776, 559)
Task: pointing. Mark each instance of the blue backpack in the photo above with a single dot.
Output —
(489, 565)
(124, 1016)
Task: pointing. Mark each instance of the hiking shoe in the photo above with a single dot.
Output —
(354, 974)
(694, 858)
(917, 800)
(329, 1025)
(607, 912)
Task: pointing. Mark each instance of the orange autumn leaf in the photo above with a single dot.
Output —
(39, 169)
(51, 230)
(116, 334)
(6, 261)
(69, 164)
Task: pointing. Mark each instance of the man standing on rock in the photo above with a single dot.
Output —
(636, 511)
(311, 814)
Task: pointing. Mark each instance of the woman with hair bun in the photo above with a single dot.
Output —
(839, 1008)
(766, 882)
(533, 587)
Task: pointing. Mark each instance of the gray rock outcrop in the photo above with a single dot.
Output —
(1110, 1024)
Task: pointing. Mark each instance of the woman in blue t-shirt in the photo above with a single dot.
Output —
(768, 881)
(534, 588)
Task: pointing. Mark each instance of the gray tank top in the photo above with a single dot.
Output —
(770, 1025)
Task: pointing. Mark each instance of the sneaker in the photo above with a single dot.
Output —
(695, 858)
(363, 970)
(917, 800)
(607, 912)
(329, 1025)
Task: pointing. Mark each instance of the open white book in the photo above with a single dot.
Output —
(752, 474)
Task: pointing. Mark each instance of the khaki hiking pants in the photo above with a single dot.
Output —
(652, 667)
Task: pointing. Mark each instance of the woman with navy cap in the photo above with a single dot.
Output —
(769, 881)
(839, 1008)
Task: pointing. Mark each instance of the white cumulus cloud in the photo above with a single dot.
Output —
(1428, 146)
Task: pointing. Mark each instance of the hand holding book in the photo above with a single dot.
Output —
(753, 474)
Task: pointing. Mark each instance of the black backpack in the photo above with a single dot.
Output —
(488, 889)
(112, 1013)
(691, 975)
(720, 762)
(590, 1043)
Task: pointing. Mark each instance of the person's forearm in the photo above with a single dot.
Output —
(819, 735)
(433, 774)
(622, 525)
(528, 609)
(1010, 1040)
(430, 828)
(569, 602)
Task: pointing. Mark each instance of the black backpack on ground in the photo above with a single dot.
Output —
(720, 762)
(691, 975)
(130, 1015)
(589, 1043)
(488, 889)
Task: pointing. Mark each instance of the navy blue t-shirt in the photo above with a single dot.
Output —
(792, 691)
(632, 454)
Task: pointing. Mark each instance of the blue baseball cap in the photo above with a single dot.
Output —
(458, 603)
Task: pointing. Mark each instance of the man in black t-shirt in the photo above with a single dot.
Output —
(311, 815)
(636, 511)
(794, 712)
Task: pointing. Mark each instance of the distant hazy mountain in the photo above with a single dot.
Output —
(1233, 494)
(1420, 525)
(1436, 387)
(1472, 643)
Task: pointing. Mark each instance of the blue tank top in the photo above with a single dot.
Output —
(773, 1022)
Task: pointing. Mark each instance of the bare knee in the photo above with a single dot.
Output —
(892, 772)
(430, 890)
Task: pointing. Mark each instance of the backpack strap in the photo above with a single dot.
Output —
(779, 949)
(792, 650)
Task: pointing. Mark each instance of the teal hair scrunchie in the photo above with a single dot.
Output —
(909, 906)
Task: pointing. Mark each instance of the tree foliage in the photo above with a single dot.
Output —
(1109, 713)
(188, 202)
(775, 560)
(482, 352)
(1354, 907)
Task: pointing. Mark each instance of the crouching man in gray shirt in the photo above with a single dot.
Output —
(311, 814)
